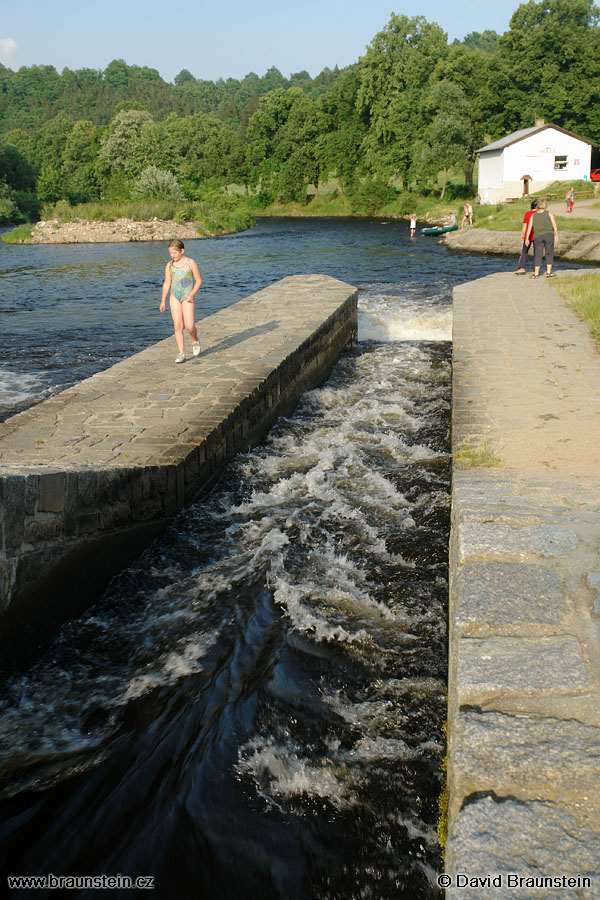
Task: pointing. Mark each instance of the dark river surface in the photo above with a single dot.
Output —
(254, 709)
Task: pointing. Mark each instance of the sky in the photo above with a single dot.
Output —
(220, 39)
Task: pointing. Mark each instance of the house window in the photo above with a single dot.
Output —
(560, 162)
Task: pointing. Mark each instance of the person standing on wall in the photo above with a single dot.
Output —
(546, 238)
(182, 282)
(526, 244)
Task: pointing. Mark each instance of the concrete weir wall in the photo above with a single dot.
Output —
(524, 615)
(90, 476)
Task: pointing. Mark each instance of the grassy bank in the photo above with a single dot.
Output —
(583, 295)
(18, 235)
(404, 204)
(225, 216)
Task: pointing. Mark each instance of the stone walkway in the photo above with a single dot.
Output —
(146, 410)
(524, 692)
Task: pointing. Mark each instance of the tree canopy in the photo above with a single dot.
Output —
(412, 107)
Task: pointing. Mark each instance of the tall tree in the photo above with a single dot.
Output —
(341, 129)
(281, 142)
(551, 61)
(474, 71)
(394, 73)
(448, 136)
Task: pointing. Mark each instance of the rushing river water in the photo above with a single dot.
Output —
(254, 709)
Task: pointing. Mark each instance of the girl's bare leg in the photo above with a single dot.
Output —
(188, 318)
(177, 316)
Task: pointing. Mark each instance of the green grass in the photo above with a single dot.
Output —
(582, 294)
(473, 457)
(18, 235)
(334, 203)
(584, 190)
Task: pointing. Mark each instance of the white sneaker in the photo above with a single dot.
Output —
(180, 358)
(196, 348)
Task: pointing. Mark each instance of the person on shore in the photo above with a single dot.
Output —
(452, 219)
(470, 213)
(465, 217)
(413, 225)
(572, 200)
(530, 242)
(546, 238)
(569, 200)
(182, 282)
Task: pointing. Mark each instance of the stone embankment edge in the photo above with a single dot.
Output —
(523, 691)
(580, 246)
(65, 533)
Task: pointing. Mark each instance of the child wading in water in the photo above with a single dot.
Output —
(182, 282)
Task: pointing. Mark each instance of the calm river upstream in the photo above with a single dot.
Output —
(254, 709)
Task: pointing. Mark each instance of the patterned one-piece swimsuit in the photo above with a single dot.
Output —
(182, 282)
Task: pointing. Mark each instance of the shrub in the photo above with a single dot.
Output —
(9, 212)
(156, 184)
(370, 195)
(18, 235)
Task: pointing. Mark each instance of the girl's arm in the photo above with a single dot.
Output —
(553, 220)
(197, 279)
(165, 288)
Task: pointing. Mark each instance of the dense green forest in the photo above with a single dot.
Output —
(412, 107)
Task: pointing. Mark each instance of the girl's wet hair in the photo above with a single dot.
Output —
(176, 245)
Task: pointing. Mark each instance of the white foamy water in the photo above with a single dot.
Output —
(407, 318)
(18, 389)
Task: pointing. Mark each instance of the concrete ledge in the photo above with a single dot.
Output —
(91, 475)
(524, 614)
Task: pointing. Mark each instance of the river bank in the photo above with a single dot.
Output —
(53, 231)
(581, 246)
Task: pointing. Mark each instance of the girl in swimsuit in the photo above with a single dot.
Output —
(182, 283)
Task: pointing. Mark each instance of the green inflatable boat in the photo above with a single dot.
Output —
(439, 229)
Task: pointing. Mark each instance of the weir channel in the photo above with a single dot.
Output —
(254, 707)
(90, 476)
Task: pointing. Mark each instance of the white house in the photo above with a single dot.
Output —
(530, 160)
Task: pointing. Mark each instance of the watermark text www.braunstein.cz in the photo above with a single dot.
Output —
(512, 880)
(79, 882)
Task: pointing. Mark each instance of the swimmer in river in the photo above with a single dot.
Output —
(182, 282)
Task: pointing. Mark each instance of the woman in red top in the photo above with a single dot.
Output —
(530, 242)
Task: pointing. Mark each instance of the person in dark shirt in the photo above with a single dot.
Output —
(546, 238)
